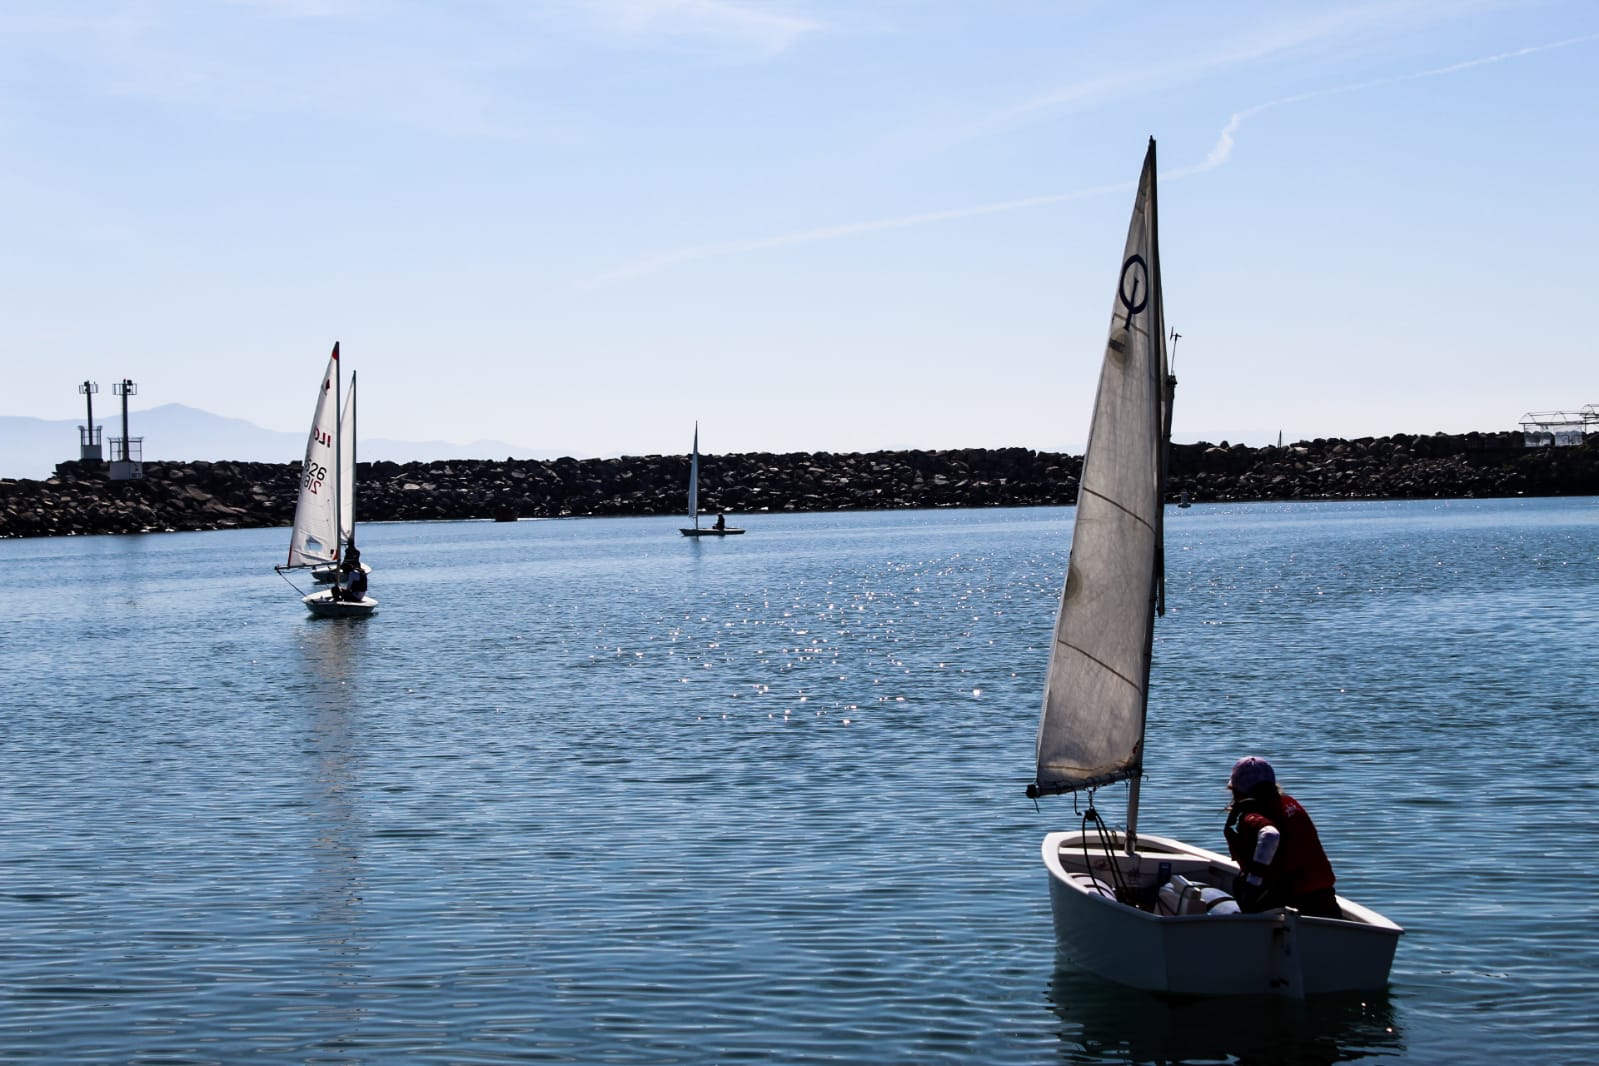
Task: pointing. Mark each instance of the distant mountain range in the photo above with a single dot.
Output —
(31, 447)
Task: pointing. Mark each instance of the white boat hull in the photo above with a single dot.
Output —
(1275, 953)
(730, 531)
(323, 605)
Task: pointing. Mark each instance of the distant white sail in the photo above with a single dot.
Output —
(315, 537)
(347, 468)
(1092, 729)
(694, 480)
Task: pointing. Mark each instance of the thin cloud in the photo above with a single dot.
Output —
(462, 70)
(743, 25)
(1218, 155)
(300, 9)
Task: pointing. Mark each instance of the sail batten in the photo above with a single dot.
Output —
(1131, 682)
(1091, 732)
(1112, 503)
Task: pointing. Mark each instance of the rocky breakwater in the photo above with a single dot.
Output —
(1440, 466)
(80, 498)
(223, 495)
(658, 485)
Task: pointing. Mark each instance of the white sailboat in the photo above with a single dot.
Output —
(323, 523)
(1104, 885)
(721, 528)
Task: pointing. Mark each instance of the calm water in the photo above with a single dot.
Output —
(584, 791)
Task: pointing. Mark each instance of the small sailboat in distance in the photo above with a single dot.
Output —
(720, 528)
(1105, 886)
(323, 533)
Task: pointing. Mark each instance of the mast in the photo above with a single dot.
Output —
(338, 457)
(1161, 396)
(354, 440)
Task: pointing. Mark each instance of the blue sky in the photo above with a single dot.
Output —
(818, 226)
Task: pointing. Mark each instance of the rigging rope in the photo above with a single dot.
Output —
(285, 577)
(1107, 843)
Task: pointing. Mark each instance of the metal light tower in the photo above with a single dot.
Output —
(127, 453)
(89, 435)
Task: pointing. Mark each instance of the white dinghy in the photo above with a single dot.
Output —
(1145, 911)
(324, 524)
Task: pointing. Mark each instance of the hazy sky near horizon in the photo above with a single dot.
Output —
(808, 224)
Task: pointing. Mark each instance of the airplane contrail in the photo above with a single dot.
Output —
(1223, 147)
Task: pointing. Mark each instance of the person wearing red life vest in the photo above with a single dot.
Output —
(1275, 844)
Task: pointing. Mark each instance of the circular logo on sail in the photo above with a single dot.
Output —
(1134, 297)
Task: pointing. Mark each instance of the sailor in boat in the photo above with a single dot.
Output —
(351, 584)
(721, 522)
(1275, 844)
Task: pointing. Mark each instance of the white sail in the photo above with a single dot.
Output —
(315, 537)
(694, 480)
(1092, 729)
(347, 468)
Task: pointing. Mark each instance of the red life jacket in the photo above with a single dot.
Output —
(1300, 866)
